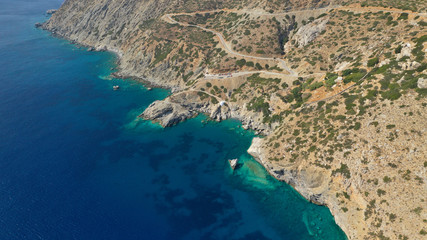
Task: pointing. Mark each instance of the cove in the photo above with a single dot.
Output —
(77, 163)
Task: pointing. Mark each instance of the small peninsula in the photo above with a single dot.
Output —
(337, 88)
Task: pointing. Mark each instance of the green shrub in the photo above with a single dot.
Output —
(344, 170)
(392, 94)
(214, 100)
(372, 94)
(250, 64)
(296, 83)
(256, 79)
(374, 123)
(241, 62)
(354, 75)
(297, 94)
(398, 49)
(357, 126)
(186, 77)
(322, 15)
(422, 67)
(315, 86)
(403, 16)
(422, 92)
(259, 105)
(285, 85)
(380, 70)
(320, 104)
(340, 118)
(373, 61)
(387, 179)
(380, 192)
(202, 95)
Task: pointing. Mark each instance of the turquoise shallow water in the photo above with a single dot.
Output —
(77, 163)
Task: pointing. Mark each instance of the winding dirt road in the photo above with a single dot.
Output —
(281, 63)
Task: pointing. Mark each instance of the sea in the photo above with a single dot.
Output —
(76, 162)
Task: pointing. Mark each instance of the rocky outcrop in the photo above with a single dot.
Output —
(50, 11)
(405, 51)
(176, 108)
(309, 182)
(409, 65)
(307, 33)
(167, 113)
(183, 105)
(220, 112)
(422, 83)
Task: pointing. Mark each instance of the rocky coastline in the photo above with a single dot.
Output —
(176, 108)
(184, 105)
(338, 175)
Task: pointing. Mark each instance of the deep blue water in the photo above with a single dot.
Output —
(77, 163)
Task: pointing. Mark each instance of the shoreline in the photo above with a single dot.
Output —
(117, 54)
(349, 153)
(256, 151)
(147, 83)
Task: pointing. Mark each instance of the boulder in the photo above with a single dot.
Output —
(50, 11)
(233, 163)
(385, 62)
(405, 52)
(422, 83)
